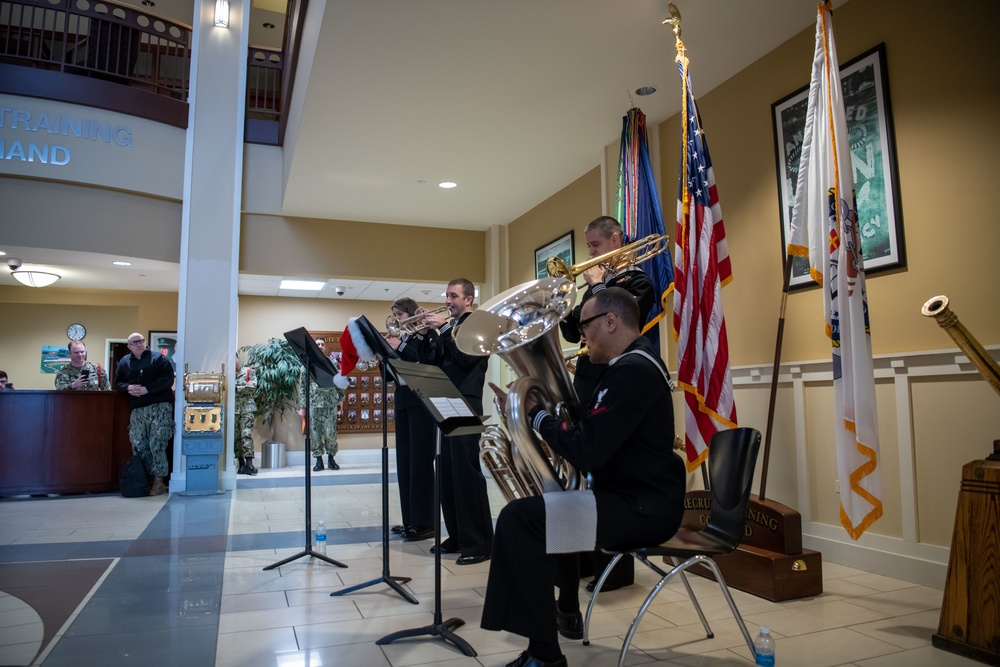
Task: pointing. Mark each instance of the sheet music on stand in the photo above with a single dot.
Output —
(447, 407)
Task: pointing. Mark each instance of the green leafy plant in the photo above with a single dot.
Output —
(277, 370)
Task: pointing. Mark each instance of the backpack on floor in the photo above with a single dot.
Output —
(133, 481)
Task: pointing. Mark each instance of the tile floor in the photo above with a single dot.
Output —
(179, 580)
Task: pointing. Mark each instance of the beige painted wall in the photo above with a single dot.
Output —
(947, 139)
(36, 317)
(305, 247)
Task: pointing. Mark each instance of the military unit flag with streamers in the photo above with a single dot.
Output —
(701, 270)
(824, 230)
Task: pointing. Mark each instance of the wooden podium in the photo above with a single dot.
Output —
(770, 562)
(970, 611)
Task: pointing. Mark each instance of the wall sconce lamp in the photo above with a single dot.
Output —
(222, 13)
(35, 278)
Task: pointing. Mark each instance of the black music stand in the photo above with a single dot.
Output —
(383, 352)
(322, 370)
(453, 416)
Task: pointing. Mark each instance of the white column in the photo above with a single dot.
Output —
(210, 223)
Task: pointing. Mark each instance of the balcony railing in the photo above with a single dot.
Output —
(116, 57)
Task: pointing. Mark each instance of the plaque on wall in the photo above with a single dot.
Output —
(361, 410)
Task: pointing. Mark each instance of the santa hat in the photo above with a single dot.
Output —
(355, 352)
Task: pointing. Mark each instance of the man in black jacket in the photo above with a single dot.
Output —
(464, 501)
(148, 380)
(625, 440)
(603, 235)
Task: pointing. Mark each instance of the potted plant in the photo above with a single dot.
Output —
(277, 370)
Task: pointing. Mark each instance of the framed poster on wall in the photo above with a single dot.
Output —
(873, 162)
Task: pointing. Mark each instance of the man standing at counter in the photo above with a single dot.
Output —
(80, 373)
(148, 380)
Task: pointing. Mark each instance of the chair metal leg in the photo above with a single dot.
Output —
(732, 604)
(677, 569)
(593, 598)
(694, 599)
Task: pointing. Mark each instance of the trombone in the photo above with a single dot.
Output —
(409, 325)
(615, 261)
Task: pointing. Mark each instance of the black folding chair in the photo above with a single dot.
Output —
(732, 455)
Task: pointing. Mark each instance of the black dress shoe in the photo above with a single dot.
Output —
(570, 624)
(472, 560)
(608, 586)
(417, 533)
(446, 548)
(528, 660)
(398, 529)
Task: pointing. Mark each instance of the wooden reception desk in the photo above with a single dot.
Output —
(62, 441)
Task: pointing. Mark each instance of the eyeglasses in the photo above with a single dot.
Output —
(138, 341)
(583, 323)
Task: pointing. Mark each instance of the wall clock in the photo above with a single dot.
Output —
(76, 331)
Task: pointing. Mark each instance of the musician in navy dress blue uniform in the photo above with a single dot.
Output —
(625, 440)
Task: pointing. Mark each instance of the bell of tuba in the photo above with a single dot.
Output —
(519, 325)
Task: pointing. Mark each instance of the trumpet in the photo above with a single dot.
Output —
(409, 325)
(615, 261)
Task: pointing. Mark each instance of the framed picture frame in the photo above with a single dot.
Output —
(162, 341)
(561, 247)
(873, 160)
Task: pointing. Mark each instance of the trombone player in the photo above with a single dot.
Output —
(625, 441)
(604, 235)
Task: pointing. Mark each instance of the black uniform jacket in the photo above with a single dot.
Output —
(625, 440)
(154, 372)
(466, 372)
(638, 285)
(417, 348)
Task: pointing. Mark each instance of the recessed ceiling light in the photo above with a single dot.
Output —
(645, 90)
(309, 285)
(120, 263)
(447, 185)
(269, 26)
(2, 253)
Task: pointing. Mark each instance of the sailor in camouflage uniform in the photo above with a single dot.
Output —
(80, 373)
(323, 403)
(246, 387)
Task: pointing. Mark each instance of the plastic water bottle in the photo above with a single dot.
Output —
(321, 544)
(763, 648)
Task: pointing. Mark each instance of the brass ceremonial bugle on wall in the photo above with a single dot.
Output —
(520, 325)
(614, 261)
(937, 307)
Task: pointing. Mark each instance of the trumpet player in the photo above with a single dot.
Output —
(464, 502)
(636, 498)
(414, 432)
(604, 235)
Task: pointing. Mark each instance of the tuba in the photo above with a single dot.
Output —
(520, 326)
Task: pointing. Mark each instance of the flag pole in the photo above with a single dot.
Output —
(775, 369)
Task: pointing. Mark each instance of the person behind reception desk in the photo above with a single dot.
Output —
(80, 373)
(4, 383)
(148, 380)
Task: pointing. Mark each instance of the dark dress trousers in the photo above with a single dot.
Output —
(464, 501)
(415, 439)
(626, 441)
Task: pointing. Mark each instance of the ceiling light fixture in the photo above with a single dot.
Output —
(35, 278)
(121, 263)
(305, 285)
(222, 13)
(645, 90)
(447, 185)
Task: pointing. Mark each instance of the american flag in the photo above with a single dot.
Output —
(824, 229)
(701, 270)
